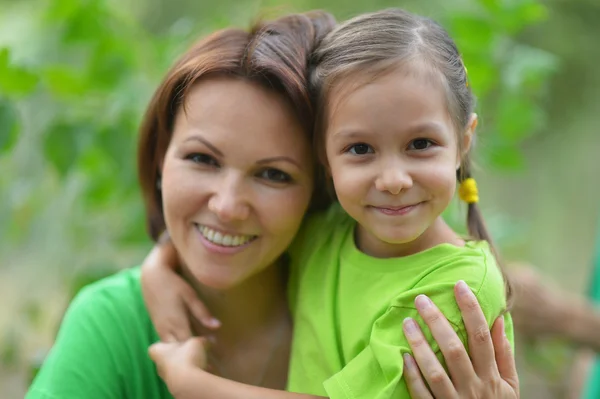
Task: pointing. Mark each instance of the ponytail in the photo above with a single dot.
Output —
(475, 223)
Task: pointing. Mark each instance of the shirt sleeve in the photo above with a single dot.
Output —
(376, 372)
(83, 361)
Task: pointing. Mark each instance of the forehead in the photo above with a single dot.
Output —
(230, 109)
(409, 93)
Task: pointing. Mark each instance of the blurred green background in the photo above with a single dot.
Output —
(75, 76)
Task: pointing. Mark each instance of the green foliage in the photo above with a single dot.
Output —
(509, 78)
(9, 125)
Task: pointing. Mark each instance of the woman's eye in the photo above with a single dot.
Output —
(204, 159)
(420, 144)
(275, 175)
(360, 149)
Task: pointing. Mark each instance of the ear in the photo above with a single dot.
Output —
(468, 136)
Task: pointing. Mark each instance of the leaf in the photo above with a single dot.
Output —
(64, 81)
(516, 15)
(14, 80)
(9, 126)
(518, 117)
(529, 68)
(62, 10)
(505, 157)
(471, 33)
(61, 147)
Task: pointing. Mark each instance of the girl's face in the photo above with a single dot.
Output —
(236, 180)
(393, 153)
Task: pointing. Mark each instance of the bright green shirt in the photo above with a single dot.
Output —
(348, 307)
(101, 351)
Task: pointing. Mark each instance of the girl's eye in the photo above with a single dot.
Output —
(360, 149)
(204, 159)
(275, 175)
(420, 144)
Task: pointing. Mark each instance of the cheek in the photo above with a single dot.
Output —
(282, 212)
(349, 180)
(181, 190)
(440, 178)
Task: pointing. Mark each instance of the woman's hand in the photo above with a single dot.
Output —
(489, 372)
(175, 360)
(169, 298)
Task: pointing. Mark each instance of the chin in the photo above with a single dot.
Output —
(398, 239)
(215, 279)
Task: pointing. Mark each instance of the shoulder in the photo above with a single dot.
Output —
(117, 296)
(475, 264)
(319, 227)
(102, 342)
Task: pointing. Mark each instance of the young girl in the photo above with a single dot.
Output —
(394, 131)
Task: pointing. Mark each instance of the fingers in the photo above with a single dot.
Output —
(414, 381)
(455, 354)
(199, 311)
(504, 355)
(480, 342)
(430, 367)
(159, 350)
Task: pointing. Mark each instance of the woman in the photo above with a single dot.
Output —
(224, 149)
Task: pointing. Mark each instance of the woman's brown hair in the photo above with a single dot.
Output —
(273, 54)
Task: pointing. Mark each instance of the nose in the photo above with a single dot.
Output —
(229, 202)
(393, 177)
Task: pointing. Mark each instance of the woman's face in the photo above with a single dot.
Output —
(236, 180)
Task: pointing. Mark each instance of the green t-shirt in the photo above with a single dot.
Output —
(101, 350)
(348, 307)
(592, 390)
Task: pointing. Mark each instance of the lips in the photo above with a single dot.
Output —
(395, 210)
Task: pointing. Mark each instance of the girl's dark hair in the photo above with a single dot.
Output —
(382, 41)
(273, 54)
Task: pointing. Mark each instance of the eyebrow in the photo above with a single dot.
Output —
(206, 143)
(260, 162)
(279, 159)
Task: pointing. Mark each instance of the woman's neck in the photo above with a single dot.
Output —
(438, 233)
(247, 308)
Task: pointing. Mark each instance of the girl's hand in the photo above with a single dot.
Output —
(489, 372)
(174, 360)
(169, 298)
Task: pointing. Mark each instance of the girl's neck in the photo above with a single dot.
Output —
(438, 233)
(249, 307)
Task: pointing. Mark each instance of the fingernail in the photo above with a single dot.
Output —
(423, 302)
(408, 361)
(410, 326)
(212, 323)
(462, 288)
(503, 326)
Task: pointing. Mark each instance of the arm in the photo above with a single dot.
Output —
(543, 310)
(376, 372)
(168, 297)
(182, 367)
(488, 372)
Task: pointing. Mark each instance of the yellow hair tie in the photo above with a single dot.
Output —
(467, 191)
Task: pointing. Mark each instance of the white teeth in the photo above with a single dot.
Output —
(225, 240)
